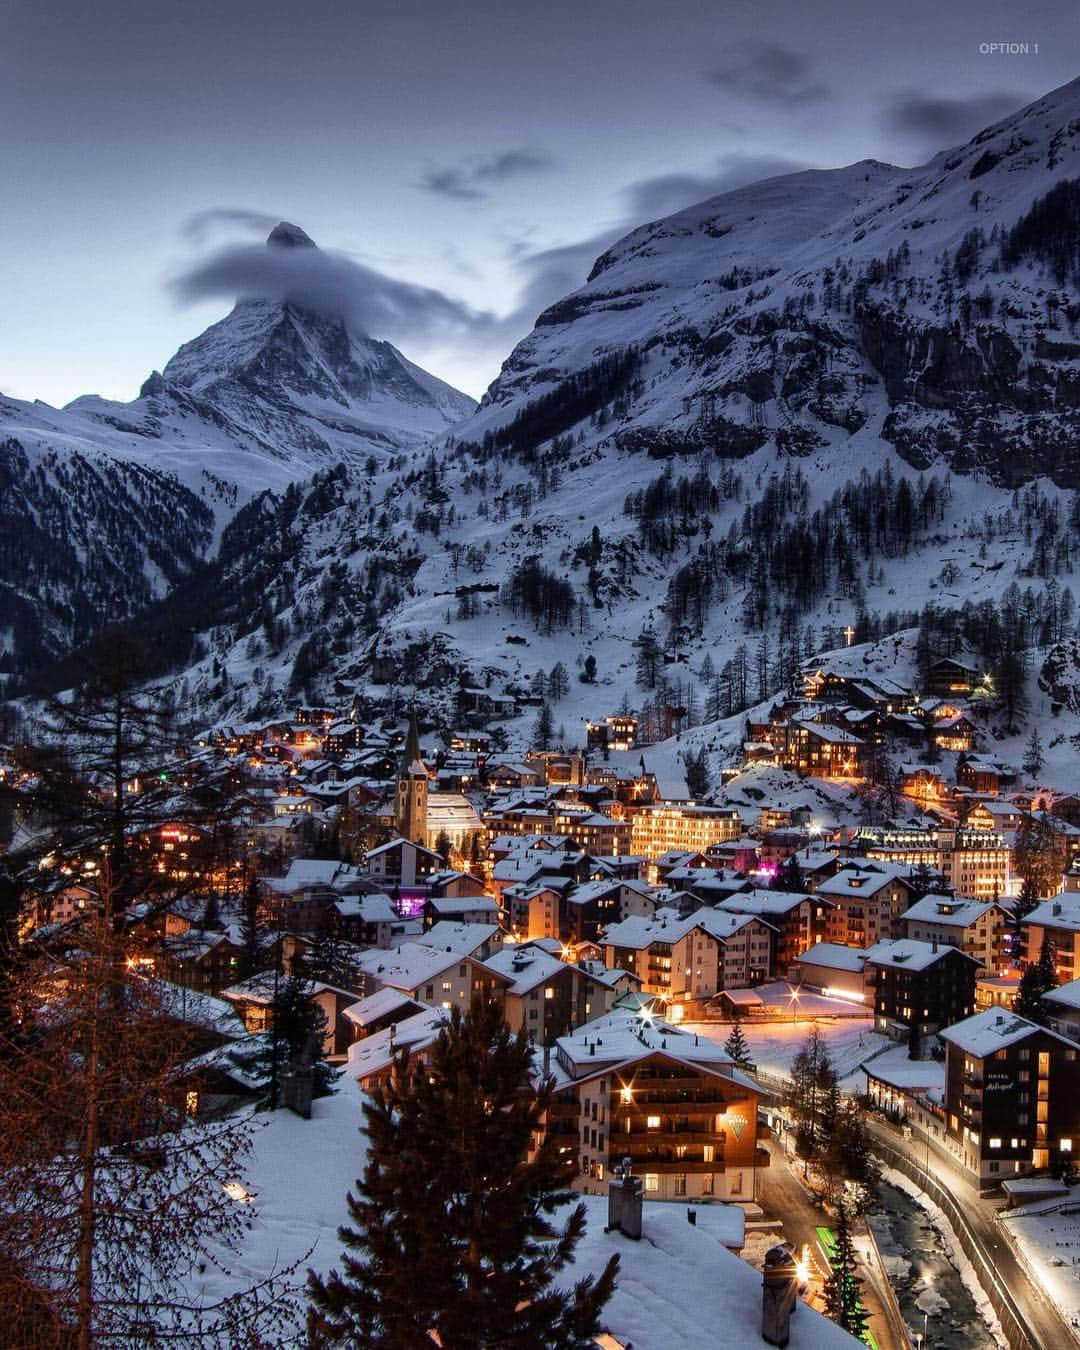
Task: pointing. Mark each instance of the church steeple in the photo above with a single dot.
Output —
(411, 800)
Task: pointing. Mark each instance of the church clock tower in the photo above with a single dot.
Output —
(411, 801)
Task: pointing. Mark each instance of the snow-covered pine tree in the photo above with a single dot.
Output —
(451, 1239)
(737, 1047)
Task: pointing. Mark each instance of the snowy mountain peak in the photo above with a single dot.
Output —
(286, 235)
(933, 308)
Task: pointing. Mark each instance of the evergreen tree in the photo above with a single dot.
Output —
(1034, 759)
(298, 1027)
(1039, 978)
(812, 1076)
(842, 1285)
(739, 1050)
(543, 729)
(790, 877)
(452, 1240)
(697, 772)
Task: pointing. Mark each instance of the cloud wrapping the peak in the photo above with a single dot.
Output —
(769, 72)
(331, 284)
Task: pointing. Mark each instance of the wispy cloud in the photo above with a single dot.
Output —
(474, 180)
(199, 227)
(941, 122)
(768, 72)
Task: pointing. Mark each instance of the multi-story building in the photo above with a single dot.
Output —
(546, 997)
(869, 901)
(670, 1101)
(822, 750)
(975, 862)
(976, 927)
(664, 826)
(593, 832)
(1012, 1095)
(588, 909)
(1056, 920)
(686, 961)
(919, 987)
(797, 922)
(437, 978)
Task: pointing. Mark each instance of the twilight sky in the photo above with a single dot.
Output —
(471, 158)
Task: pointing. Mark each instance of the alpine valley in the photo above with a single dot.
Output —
(836, 409)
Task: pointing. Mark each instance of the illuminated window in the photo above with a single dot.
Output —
(652, 1181)
(652, 1122)
(627, 1095)
(1066, 1146)
(709, 1153)
(549, 992)
(995, 1143)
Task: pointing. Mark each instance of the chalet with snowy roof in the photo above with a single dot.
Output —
(688, 961)
(677, 858)
(371, 1060)
(471, 906)
(203, 959)
(869, 901)
(402, 863)
(590, 908)
(977, 927)
(1063, 1010)
(547, 997)
(1012, 1096)
(821, 750)
(919, 987)
(431, 975)
(797, 922)
(380, 1010)
(617, 732)
(949, 677)
(835, 970)
(957, 733)
(924, 784)
(253, 999)
(623, 866)
(533, 911)
(672, 1102)
(984, 776)
(480, 940)
(823, 684)
(368, 920)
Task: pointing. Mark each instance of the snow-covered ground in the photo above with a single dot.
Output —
(1047, 1237)
(676, 1286)
(773, 1045)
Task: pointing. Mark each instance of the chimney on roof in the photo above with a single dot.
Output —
(779, 1287)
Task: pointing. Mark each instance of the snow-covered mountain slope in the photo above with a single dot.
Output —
(785, 411)
(112, 504)
(905, 300)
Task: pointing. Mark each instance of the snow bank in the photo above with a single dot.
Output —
(956, 1254)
